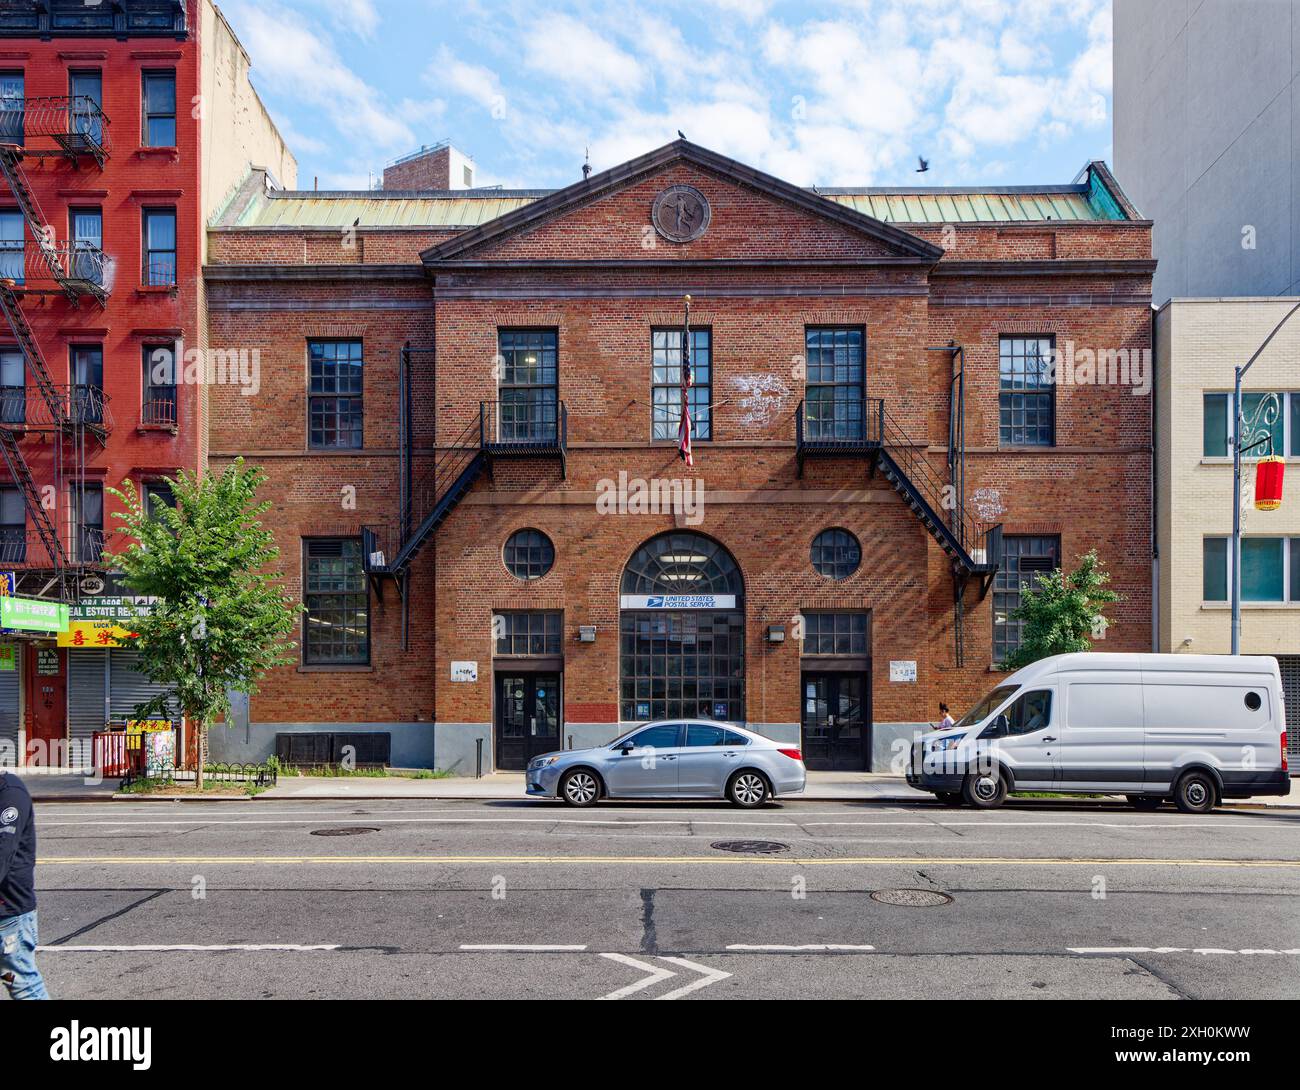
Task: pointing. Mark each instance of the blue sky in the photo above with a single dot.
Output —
(997, 92)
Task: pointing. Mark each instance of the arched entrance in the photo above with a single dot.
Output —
(682, 631)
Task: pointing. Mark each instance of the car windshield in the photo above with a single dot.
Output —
(985, 707)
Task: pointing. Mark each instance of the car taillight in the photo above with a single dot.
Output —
(1284, 751)
(795, 755)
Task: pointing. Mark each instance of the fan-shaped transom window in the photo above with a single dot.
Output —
(682, 563)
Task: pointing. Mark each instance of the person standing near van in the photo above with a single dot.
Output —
(18, 969)
(947, 720)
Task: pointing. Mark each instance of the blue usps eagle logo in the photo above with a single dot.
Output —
(655, 601)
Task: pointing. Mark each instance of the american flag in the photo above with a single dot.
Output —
(684, 426)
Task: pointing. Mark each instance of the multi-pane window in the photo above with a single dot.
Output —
(159, 226)
(836, 382)
(336, 624)
(1283, 428)
(87, 244)
(830, 633)
(13, 526)
(688, 663)
(158, 100)
(1270, 569)
(528, 554)
(13, 386)
(87, 91)
(1026, 400)
(836, 554)
(666, 379)
(87, 521)
(529, 385)
(11, 247)
(158, 401)
(529, 632)
(13, 107)
(88, 382)
(1024, 559)
(334, 393)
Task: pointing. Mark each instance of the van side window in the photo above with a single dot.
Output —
(1033, 711)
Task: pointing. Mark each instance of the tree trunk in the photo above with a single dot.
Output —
(201, 727)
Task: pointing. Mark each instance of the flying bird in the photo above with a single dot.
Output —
(924, 165)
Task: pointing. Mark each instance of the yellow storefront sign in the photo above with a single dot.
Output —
(89, 634)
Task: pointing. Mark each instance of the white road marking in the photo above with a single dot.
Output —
(806, 948)
(711, 976)
(1206, 950)
(522, 947)
(656, 974)
(154, 948)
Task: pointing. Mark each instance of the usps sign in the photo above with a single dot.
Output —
(677, 601)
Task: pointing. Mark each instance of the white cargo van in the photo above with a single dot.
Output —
(1194, 728)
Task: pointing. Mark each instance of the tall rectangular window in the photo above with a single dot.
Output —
(530, 632)
(158, 402)
(87, 226)
(157, 494)
(158, 99)
(87, 521)
(1024, 559)
(666, 380)
(1214, 569)
(13, 108)
(159, 247)
(13, 386)
(529, 386)
(334, 403)
(12, 241)
(1026, 399)
(835, 386)
(87, 91)
(88, 382)
(336, 624)
(1214, 425)
(13, 526)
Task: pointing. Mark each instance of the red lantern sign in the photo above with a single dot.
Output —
(1268, 483)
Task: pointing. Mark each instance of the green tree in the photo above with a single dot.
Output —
(1063, 613)
(221, 619)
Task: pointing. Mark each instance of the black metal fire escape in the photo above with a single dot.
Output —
(78, 132)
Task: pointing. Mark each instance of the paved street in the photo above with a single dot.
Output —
(526, 899)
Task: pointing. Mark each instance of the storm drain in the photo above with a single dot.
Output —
(347, 830)
(911, 898)
(750, 847)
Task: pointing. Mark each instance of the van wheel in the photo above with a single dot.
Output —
(1145, 802)
(1195, 793)
(985, 790)
(949, 798)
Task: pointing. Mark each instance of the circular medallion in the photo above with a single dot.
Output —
(681, 213)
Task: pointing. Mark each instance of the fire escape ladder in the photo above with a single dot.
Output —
(22, 476)
(31, 350)
(11, 167)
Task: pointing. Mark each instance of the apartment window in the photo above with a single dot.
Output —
(666, 379)
(1270, 569)
(157, 494)
(1024, 560)
(88, 383)
(158, 98)
(13, 386)
(1026, 399)
(334, 394)
(87, 91)
(530, 632)
(828, 633)
(13, 108)
(87, 522)
(11, 246)
(836, 382)
(529, 385)
(158, 403)
(87, 244)
(13, 526)
(159, 247)
(336, 625)
(1218, 426)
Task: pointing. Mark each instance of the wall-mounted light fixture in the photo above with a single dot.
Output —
(586, 633)
(776, 633)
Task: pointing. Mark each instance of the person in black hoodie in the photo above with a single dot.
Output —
(18, 970)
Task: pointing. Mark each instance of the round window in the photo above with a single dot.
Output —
(528, 554)
(836, 553)
(1253, 701)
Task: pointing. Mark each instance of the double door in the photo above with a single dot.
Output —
(835, 734)
(527, 718)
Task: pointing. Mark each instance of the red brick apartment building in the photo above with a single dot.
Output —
(469, 407)
(111, 114)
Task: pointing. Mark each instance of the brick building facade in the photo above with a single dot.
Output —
(879, 459)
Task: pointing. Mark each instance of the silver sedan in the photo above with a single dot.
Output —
(672, 759)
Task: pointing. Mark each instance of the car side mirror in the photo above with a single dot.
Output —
(1000, 727)
(625, 748)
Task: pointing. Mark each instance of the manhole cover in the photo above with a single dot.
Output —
(911, 898)
(750, 847)
(350, 830)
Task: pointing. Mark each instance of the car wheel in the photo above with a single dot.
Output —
(1195, 793)
(747, 789)
(985, 790)
(580, 788)
(1145, 802)
(949, 798)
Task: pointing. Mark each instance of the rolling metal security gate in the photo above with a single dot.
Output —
(1290, 666)
(8, 716)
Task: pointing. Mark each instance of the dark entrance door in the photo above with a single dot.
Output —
(528, 718)
(45, 671)
(834, 722)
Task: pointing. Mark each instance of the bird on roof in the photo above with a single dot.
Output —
(356, 221)
(924, 165)
(681, 135)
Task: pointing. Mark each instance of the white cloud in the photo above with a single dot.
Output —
(570, 52)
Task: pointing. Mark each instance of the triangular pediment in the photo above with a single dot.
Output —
(684, 203)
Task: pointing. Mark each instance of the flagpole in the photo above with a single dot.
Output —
(684, 424)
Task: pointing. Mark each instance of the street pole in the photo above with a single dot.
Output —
(1236, 480)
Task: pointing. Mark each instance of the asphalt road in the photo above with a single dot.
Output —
(636, 901)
